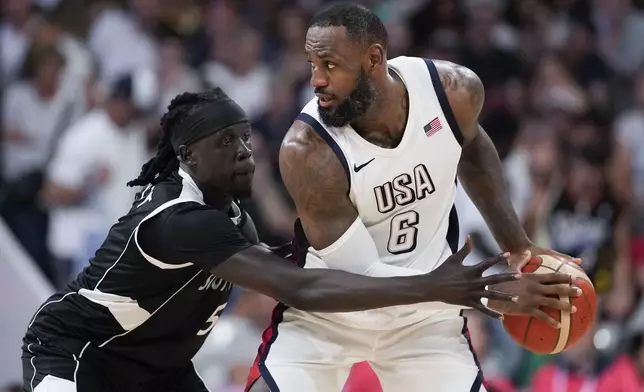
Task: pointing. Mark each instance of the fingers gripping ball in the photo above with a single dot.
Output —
(537, 336)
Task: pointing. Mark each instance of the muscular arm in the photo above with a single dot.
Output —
(480, 170)
(318, 184)
(194, 234)
(319, 290)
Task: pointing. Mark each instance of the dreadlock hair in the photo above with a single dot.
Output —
(181, 107)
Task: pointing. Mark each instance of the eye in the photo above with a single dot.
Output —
(246, 136)
(227, 141)
(330, 65)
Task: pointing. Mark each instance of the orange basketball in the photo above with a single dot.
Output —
(537, 336)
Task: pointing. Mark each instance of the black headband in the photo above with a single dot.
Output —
(210, 119)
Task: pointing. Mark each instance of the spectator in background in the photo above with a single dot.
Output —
(277, 118)
(541, 144)
(576, 370)
(620, 29)
(588, 222)
(272, 209)
(434, 17)
(37, 109)
(221, 25)
(484, 54)
(12, 388)
(245, 78)
(174, 75)
(123, 40)
(626, 372)
(14, 37)
(588, 69)
(554, 88)
(85, 187)
(628, 173)
(292, 62)
(78, 61)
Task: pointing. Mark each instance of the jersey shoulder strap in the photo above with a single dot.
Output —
(310, 116)
(423, 73)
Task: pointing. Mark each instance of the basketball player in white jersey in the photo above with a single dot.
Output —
(371, 164)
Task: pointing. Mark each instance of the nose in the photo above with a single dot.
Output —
(318, 78)
(244, 150)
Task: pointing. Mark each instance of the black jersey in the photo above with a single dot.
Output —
(147, 295)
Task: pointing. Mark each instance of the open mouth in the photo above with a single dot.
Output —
(325, 101)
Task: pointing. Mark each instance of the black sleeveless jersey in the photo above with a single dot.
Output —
(147, 295)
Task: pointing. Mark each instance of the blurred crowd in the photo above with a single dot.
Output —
(84, 83)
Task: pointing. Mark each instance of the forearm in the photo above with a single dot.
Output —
(319, 290)
(323, 290)
(481, 175)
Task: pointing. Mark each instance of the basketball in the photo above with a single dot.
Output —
(539, 337)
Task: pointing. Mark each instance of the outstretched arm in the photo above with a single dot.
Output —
(319, 290)
(191, 235)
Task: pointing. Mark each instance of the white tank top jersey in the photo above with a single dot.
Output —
(404, 195)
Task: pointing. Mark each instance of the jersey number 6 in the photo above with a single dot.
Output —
(403, 232)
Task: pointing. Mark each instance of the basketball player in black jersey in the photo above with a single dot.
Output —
(135, 317)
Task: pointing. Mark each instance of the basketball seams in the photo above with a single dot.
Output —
(565, 322)
(527, 329)
(542, 268)
(538, 336)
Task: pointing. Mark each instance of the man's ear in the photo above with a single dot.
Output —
(375, 56)
(186, 155)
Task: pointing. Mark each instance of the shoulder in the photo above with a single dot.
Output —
(465, 93)
(303, 146)
(308, 163)
(460, 83)
(189, 219)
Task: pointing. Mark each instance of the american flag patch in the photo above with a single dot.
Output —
(433, 127)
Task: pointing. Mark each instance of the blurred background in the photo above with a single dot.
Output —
(84, 83)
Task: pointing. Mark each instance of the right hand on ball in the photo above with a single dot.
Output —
(457, 284)
(535, 291)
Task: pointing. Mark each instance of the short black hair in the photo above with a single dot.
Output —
(181, 108)
(362, 24)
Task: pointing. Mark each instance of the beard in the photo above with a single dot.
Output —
(352, 107)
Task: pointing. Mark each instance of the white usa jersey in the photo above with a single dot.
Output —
(404, 195)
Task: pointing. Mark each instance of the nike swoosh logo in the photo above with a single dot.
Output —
(357, 168)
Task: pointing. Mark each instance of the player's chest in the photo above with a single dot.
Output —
(422, 176)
